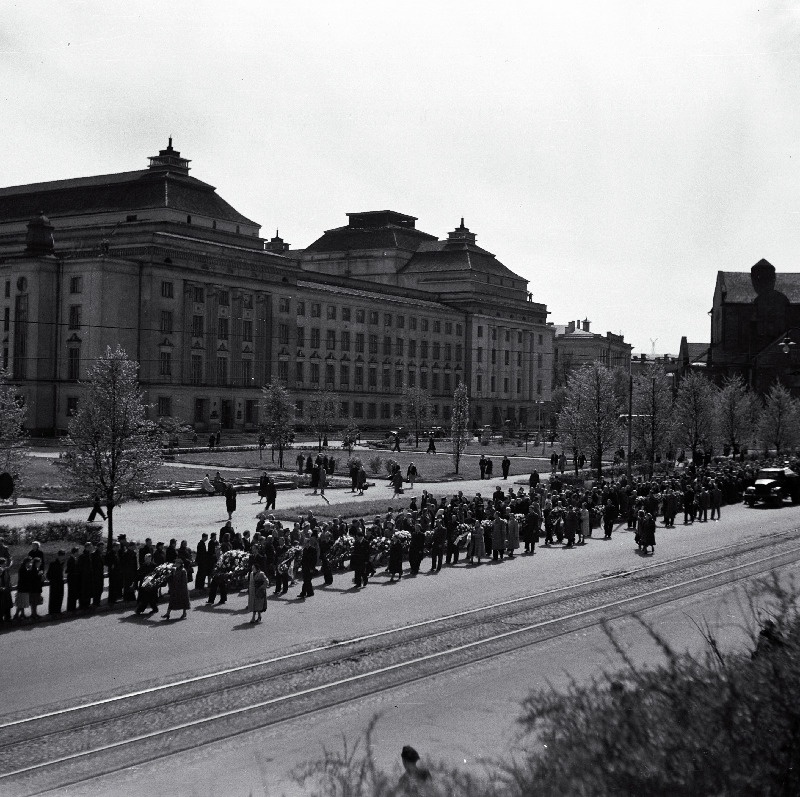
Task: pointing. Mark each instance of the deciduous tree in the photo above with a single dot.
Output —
(652, 414)
(735, 409)
(779, 419)
(416, 410)
(322, 413)
(277, 412)
(114, 452)
(13, 438)
(590, 413)
(459, 423)
(694, 413)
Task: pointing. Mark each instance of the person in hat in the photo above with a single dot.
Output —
(415, 779)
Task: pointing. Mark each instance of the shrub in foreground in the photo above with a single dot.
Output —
(713, 724)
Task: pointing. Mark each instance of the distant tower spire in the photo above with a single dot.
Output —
(169, 159)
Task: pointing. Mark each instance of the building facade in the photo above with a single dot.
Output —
(155, 261)
(755, 327)
(575, 345)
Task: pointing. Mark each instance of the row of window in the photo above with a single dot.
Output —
(397, 348)
(333, 312)
(506, 385)
(371, 410)
(507, 335)
(434, 381)
(506, 357)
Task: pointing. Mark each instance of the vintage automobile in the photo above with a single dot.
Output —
(773, 486)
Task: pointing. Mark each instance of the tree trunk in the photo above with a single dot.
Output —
(110, 515)
(280, 455)
(599, 463)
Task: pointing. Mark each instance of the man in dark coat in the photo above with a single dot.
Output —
(506, 466)
(359, 561)
(270, 492)
(416, 551)
(55, 575)
(437, 546)
(128, 567)
(230, 500)
(308, 564)
(85, 569)
(609, 518)
(98, 574)
(148, 596)
(73, 580)
(114, 574)
(202, 563)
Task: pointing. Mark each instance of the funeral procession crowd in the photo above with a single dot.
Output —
(448, 531)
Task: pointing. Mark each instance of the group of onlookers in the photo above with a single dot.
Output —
(495, 526)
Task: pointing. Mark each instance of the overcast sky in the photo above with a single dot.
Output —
(615, 154)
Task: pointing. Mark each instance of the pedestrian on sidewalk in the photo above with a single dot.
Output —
(96, 510)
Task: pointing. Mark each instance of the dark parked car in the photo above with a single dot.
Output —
(773, 485)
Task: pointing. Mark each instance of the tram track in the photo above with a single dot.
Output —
(70, 745)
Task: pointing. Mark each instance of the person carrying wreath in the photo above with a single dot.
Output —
(178, 591)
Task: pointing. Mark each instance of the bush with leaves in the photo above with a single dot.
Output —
(375, 464)
(53, 531)
(708, 724)
(391, 464)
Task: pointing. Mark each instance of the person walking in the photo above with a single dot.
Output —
(230, 500)
(178, 591)
(5, 591)
(323, 479)
(97, 509)
(411, 474)
(262, 487)
(359, 561)
(202, 562)
(147, 595)
(416, 551)
(270, 492)
(308, 563)
(505, 465)
(395, 558)
(431, 446)
(256, 592)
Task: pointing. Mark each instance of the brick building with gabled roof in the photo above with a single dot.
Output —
(755, 327)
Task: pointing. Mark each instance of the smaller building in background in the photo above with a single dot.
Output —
(575, 345)
(692, 357)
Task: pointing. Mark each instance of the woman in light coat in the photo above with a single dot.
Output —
(498, 537)
(256, 592)
(476, 545)
(585, 524)
(512, 539)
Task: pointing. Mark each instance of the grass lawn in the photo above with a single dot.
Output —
(430, 467)
(43, 478)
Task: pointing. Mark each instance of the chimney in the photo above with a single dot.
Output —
(571, 327)
(585, 324)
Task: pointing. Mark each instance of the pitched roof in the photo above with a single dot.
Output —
(123, 192)
(697, 352)
(392, 236)
(443, 257)
(737, 286)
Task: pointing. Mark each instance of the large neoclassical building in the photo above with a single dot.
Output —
(156, 261)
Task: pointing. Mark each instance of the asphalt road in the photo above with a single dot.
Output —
(458, 719)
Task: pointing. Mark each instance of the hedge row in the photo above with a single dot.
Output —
(53, 531)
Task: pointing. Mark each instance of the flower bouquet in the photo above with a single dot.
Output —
(286, 565)
(520, 518)
(405, 539)
(379, 549)
(428, 541)
(487, 524)
(234, 567)
(159, 577)
(464, 532)
(341, 551)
